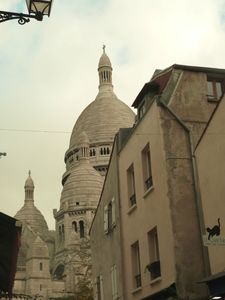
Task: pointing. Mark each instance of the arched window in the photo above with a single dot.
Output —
(74, 226)
(81, 224)
(63, 233)
(93, 152)
(90, 152)
(41, 266)
(108, 150)
(60, 233)
(104, 151)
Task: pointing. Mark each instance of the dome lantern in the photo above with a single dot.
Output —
(29, 189)
(105, 70)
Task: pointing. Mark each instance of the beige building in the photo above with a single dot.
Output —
(210, 153)
(52, 264)
(161, 216)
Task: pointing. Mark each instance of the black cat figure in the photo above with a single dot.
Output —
(214, 231)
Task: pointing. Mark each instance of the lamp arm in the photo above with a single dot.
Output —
(22, 18)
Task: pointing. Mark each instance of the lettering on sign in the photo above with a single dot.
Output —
(215, 241)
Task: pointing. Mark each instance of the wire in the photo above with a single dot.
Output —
(33, 130)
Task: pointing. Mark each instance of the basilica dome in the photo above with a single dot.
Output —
(103, 117)
(29, 214)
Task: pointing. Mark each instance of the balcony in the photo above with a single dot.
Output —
(133, 199)
(148, 183)
(154, 269)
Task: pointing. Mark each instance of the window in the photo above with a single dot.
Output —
(99, 288)
(141, 110)
(74, 226)
(146, 165)
(40, 266)
(60, 233)
(131, 185)
(214, 89)
(154, 265)
(114, 283)
(63, 233)
(109, 216)
(136, 266)
(81, 224)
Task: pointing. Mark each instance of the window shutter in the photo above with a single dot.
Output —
(113, 212)
(112, 281)
(115, 282)
(105, 218)
(101, 287)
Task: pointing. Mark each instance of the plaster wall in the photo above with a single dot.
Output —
(210, 155)
(152, 208)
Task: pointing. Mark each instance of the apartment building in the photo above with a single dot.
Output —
(161, 214)
(210, 153)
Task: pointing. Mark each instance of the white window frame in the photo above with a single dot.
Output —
(106, 222)
(114, 282)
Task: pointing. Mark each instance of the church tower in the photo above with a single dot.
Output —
(86, 165)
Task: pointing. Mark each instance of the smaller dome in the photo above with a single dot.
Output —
(38, 249)
(29, 182)
(83, 186)
(104, 60)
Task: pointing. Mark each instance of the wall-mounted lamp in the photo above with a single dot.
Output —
(36, 9)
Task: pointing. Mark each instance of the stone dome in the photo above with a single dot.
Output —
(82, 188)
(29, 182)
(83, 138)
(104, 60)
(29, 214)
(103, 117)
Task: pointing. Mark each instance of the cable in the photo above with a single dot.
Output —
(33, 130)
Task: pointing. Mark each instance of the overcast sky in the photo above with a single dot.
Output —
(49, 75)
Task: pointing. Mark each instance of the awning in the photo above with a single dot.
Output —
(216, 284)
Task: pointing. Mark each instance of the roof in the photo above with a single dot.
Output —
(160, 79)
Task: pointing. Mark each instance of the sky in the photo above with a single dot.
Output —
(48, 75)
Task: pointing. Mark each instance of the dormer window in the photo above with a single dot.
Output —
(141, 110)
(215, 89)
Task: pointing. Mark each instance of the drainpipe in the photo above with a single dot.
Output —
(196, 184)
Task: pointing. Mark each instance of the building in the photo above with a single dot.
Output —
(210, 156)
(161, 216)
(36, 253)
(64, 255)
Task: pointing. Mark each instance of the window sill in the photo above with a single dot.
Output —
(148, 191)
(136, 290)
(156, 280)
(132, 208)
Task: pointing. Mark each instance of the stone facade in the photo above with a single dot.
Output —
(161, 216)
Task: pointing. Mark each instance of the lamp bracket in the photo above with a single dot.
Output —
(22, 18)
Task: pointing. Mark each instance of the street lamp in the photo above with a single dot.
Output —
(2, 154)
(36, 9)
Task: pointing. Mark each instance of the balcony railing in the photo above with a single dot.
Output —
(137, 280)
(133, 199)
(154, 269)
(148, 183)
